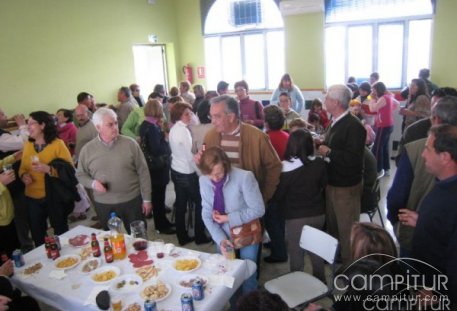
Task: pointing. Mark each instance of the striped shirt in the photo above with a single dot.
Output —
(230, 143)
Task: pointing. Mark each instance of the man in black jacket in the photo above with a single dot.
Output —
(344, 147)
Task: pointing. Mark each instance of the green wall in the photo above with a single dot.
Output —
(50, 50)
(444, 47)
(305, 49)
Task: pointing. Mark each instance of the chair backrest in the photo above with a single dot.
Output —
(319, 242)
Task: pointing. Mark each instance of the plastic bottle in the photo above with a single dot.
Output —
(117, 238)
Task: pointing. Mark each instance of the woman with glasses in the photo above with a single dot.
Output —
(251, 111)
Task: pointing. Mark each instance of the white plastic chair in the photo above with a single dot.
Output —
(298, 288)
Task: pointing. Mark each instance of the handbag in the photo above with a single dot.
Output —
(246, 234)
(153, 162)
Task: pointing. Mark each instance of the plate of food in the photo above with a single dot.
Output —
(67, 262)
(90, 265)
(147, 272)
(105, 274)
(32, 269)
(187, 280)
(187, 264)
(157, 291)
(79, 240)
(133, 307)
(126, 283)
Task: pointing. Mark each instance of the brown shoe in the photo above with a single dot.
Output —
(94, 218)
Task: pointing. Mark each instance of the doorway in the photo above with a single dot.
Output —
(150, 67)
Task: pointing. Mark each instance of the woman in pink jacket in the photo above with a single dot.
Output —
(66, 128)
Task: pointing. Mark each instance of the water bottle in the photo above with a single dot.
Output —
(117, 238)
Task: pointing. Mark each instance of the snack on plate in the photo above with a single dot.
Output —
(186, 264)
(156, 292)
(67, 262)
(189, 280)
(133, 307)
(33, 269)
(90, 265)
(104, 276)
(147, 272)
(85, 252)
(79, 240)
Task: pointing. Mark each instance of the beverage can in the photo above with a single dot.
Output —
(198, 292)
(18, 258)
(187, 303)
(150, 305)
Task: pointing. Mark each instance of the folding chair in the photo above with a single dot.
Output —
(370, 201)
(299, 288)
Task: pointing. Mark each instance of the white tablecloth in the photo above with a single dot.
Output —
(71, 292)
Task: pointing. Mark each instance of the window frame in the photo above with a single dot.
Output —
(375, 24)
(242, 34)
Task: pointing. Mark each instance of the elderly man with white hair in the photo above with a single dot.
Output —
(114, 167)
(344, 146)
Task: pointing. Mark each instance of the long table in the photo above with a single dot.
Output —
(72, 292)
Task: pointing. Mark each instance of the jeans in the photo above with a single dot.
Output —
(275, 226)
(250, 284)
(381, 147)
(38, 215)
(187, 189)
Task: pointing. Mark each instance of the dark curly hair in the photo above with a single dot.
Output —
(261, 300)
(50, 129)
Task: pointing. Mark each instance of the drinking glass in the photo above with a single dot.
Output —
(139, 235)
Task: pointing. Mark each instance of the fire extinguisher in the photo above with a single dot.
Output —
(188, 72)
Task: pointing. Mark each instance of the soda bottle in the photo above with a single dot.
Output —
(54, 250)
(117, 238)
(108, 250)
(4, 257)
(95, 246)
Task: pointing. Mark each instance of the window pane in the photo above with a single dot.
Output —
(418, 47)
(231, 59)
(360, 52)
(255, 61)
(335, 38)
(350, 10)
(275, 58)
(213, 62)
(390, 53)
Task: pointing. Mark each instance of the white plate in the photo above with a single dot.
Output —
(79, 240)
(105, 269)
(126, 283)
(77, 259)
(97, 263)
(199, 263)
(189, 278)
(168, 286)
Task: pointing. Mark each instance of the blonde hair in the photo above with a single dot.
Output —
(153, 108)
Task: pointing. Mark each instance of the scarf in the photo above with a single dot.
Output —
(218, 204)
(151, 120)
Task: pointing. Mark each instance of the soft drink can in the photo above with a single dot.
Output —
(197, 290)
(18, 258)
(187, 304)
(150, 305)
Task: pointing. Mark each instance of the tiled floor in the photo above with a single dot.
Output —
(267, 271)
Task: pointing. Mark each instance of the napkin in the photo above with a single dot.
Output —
(93, 294)
(221, 279)
(57, 274)
(63, 241)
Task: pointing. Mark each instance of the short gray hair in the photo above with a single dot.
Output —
(341, 93)
(230, 104)
(101, 113)
(446, 110)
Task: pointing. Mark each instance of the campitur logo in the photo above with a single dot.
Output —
(383, 282)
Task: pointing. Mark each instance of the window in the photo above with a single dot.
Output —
(244, 39)
(390, 37)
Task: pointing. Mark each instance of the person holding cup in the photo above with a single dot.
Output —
(43, 147)
(8, 236)
(230, 198)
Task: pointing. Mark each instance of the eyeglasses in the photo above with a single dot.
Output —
(32, 122)
(237, 90)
